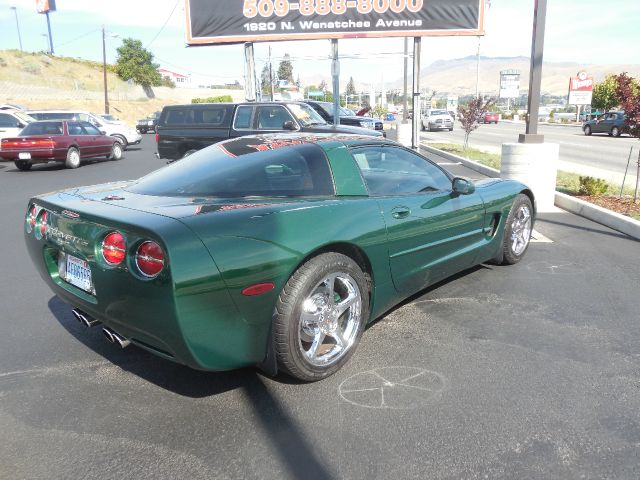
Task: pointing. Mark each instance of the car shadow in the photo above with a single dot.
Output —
(291, 442)
(168, 375)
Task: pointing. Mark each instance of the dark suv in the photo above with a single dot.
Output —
(612, 123)
(148, 124)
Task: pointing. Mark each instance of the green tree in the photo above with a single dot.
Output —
(285, 69)
(351, 87)
(135, 63)
(605, 96)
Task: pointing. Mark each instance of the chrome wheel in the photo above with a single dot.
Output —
(521, 230)
(330, 319)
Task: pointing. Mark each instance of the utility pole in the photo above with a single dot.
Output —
(271, 76)
(15, 11)
(50, 37)
(478, 69)
(335, 73)
(104, 71)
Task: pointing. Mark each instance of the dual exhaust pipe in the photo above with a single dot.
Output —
(88, 321)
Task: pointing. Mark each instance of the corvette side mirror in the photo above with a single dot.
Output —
(463, 186)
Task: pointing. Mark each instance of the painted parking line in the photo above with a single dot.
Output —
(537, 237)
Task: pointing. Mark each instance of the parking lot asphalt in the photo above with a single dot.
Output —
(523, 372)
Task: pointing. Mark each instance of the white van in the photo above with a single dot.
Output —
(12, 122)
(125, 135)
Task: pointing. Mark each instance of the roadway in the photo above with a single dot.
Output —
(598, 155)
(523, 372)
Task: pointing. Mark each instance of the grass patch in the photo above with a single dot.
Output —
(489, 159)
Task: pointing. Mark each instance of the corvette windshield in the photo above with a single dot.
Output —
(245, 167)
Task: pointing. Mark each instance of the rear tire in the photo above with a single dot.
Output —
(188, 152)
(615, 132)
(517, 230)
(73, 158)
(23, 165)
(319, 317)
(587, 130)
(122, 140)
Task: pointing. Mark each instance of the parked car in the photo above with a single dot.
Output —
(125, 135)
(325, 110)
(490, 117)
(111, 118)
(390, 117)
(437, 120)
(612, 123)
(12, 121)
(270, 250)
(148, 124)
(59, 141)
(184, 129)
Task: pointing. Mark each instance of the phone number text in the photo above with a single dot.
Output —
(280, 8)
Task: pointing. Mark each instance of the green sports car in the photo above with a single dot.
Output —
(272, 250)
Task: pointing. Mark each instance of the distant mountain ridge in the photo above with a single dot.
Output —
(458, 76)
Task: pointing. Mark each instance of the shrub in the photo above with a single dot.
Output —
(31, 67)
(592, 186)
(220, 99)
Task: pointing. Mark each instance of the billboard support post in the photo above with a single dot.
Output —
(406, 70)
(250, 80)
(335, 74)
(415, 131)
(535, 77)
(50, 37)
(104, 71)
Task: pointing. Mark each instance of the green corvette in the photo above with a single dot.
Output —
(271, 250)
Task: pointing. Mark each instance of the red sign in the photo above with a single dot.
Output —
(45, 6)
(580, 89)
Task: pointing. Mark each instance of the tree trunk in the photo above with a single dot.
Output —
(148, 91)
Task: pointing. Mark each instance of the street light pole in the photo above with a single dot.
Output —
(15, 11)
(478, 69)
(104, 71)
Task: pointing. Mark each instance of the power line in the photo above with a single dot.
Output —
(195, 73)
(77, 38)
(164, 24)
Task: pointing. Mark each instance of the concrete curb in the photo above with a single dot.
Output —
(616, 221)
(621, 223)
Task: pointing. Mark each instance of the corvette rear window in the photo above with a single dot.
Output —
(290, 171)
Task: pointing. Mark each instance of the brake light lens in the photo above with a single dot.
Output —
(114, 248)
(27, 143)
(40, 226)
(31, 218)
(156, 137)
(150, 259)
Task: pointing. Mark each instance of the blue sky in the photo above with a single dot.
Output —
(583, 31)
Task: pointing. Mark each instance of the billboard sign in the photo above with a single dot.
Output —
(510, 84)
(211, 22)
(580, 89)
(45, 6)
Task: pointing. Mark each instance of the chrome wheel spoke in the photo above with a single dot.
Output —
(345, 304)
(315, 345)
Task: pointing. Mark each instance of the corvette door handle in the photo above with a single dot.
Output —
(400, 212)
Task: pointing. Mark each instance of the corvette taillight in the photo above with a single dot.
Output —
(40, 226)
(150, 259)
(114, 248)
(31, 218)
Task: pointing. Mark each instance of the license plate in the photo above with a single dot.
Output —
(78, 273)
(24, 156)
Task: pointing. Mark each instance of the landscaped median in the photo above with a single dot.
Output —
(567, 190)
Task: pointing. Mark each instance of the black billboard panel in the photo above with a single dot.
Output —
(212, 22)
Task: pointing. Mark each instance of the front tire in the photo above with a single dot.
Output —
(320, 315)
(73, 158)
(122, 140)
(587, 130)
(116, 152)
(517, 231)
(615, 132)
(23, 165)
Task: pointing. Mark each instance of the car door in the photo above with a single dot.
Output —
(100, 143)
(80, 138)
(432, 232)
(271, 118)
